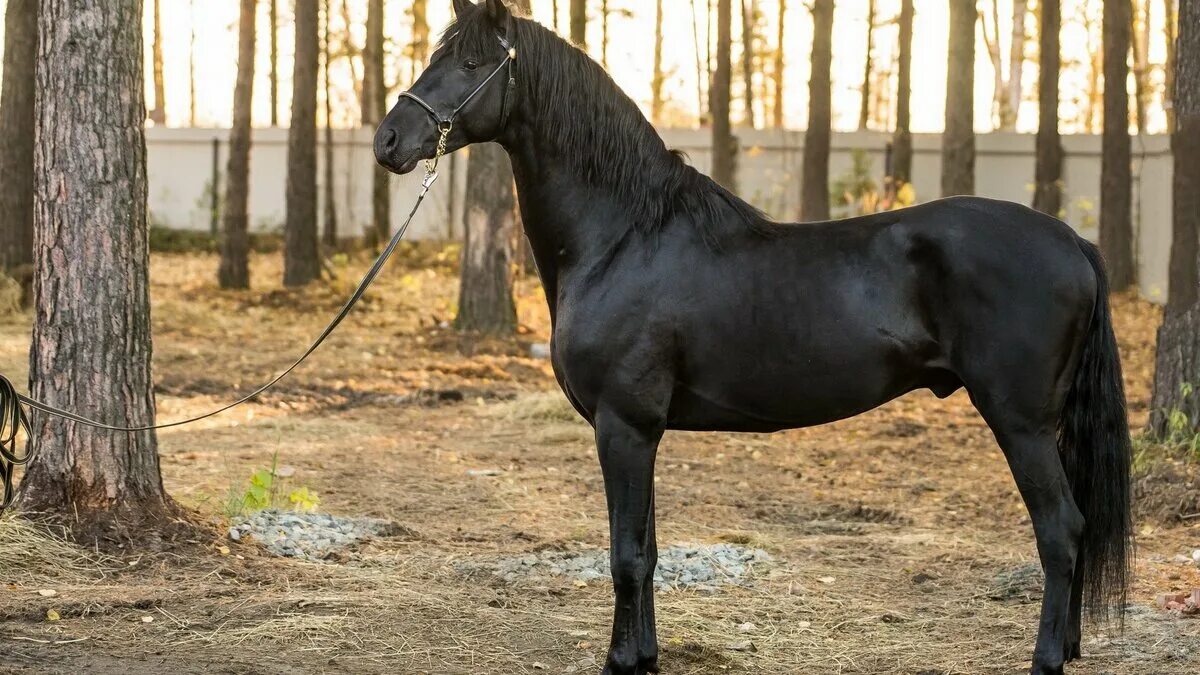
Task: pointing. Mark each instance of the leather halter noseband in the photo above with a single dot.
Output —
(446, 122)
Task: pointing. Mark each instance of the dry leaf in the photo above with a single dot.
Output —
(47, 592)
(52, 615)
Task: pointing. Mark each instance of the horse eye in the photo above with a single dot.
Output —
(470, 64)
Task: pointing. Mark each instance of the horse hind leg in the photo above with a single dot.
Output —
(1030, 446)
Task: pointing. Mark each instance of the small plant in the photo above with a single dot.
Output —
(270, 488)
(857, 194)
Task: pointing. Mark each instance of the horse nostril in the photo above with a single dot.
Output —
(385, 143)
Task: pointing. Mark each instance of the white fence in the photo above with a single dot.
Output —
(181, 164)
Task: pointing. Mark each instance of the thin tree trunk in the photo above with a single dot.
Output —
(330, 231)
(16, 139)
(604, 33)
(579, 23)
(1048, 189)
(420, 44)
(485, 302)
(234, 271)
(302, 263)
(353, 54)
(91, 350)
(1170, 25)
(158, 115)
(902, 150)
(814, 199)
(1016, 63)
(1116, 180)
(274, 60)
(748, 61)
(777, 72)
(864, 110)
(656, 82)
(1140, 34)
(724, 145)
(958, 139)
(192, 66)
(1176, 399)
(554, 9)
(374, 106)
(701, 76)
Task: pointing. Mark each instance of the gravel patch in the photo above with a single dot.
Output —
(696, 567)
(311, 536)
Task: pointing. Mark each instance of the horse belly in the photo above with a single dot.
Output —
(755, 389)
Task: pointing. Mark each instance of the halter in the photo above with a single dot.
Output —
(446, 122)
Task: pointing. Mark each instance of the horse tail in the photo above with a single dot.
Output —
(1093, 438)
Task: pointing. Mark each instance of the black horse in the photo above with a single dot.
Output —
(675, 305)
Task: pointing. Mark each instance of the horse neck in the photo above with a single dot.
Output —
(584, 166)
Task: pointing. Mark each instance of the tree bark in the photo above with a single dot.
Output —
(274, 61)
(1169, 34)
(302, 262)
(1176, 399)
(902, 150)
(864, 109)
(485, 302)
(420, 43)
(1048, 188)
(724, 145)
(16, 138)
(330, 231)
(958, 139)
(748, 12)
(1140, 42)
(91, 350)
(374, 107)
(814, 199)
(777, 71)
(579, 23)
(159, 114)
(656, 82)
(1116, 173)
(234, 271)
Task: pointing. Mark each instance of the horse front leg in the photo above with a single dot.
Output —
(627, 460)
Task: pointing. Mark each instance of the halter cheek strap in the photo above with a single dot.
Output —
(446, 122)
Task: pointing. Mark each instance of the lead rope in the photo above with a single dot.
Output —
(14, 418)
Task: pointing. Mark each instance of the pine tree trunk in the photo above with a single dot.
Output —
(16, 139)
(656, 83)
(1177, 365)
(604, 33)
(420, 44)
(724, 145)
(1048, 189)
(748, 62)
(902, 150)
(91, 350)
(1116, 173)
(864, 109)
(1169, 35)
(579, 23)
(274, 60)
(1140, 42)
(958, 139)
(485, 302)
(192, 66)
(159, 114)
(330, 231)
(302, 263)
(777, 72)
(234, 271)
(814, 199)
(374, 104)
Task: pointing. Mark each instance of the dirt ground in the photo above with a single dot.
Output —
(891, 534)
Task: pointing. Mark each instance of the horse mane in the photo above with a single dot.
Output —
(603, 134)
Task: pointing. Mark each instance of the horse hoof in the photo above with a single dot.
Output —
(1071, 650)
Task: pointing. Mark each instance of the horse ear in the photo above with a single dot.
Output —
(498, 11)
(461, 7)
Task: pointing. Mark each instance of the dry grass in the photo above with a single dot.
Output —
(910, 511)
